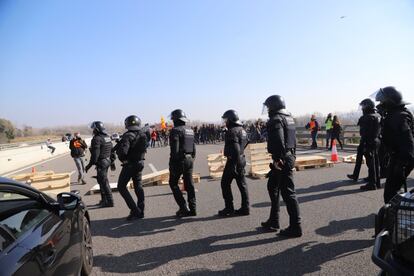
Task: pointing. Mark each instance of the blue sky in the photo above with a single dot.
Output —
(72, 62)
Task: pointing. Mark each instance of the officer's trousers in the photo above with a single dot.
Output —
(232, 171)
(397, 173)
(281, 182)
(102, 167)
(183, 168)
(132, 170)
(372, 160)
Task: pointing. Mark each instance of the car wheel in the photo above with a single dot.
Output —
(87, 250)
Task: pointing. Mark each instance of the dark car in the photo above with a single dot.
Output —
(43, 236)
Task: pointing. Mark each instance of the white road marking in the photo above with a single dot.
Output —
(152, 167)
(36, 164)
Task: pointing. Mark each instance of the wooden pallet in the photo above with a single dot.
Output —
(155, 178)
(310, 160)
(196, 179)
(351, 159)
(259, 159)
(260, 174)
(216, 163)
(26, 176)
(46, 181)
(329, 164)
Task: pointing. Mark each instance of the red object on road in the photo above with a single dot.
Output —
(334, 155)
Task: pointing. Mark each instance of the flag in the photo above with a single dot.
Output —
(163, 126)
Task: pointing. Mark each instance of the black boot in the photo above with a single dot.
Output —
(292, 232)
(183, 212)
(107, 204)
(352, 177)
(133, 215)
(368, 187)
(270, 225)
(193, 212)
(242, 212)
(226, 212)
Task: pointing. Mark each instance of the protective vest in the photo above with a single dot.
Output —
(235, 135)
(187, 141)
(289, 131)
(281, 135)
(138, 147)
(106, 147)
(328, 124)
(312, 125)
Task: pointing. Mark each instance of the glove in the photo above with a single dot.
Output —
(276, 165)
(113, 167)
(88, 168)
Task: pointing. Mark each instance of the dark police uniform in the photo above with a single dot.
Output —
(182, 156)
(100, 149)
(370, 127)
(235, 142)
(398, 138)
(281, 145)
(131, 151)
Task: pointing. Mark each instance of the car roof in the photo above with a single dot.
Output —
(5, 180)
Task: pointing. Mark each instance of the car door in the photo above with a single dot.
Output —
(42, 237)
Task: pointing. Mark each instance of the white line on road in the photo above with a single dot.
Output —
(152, 167)
(36, 164)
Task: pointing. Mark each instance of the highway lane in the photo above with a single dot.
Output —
(338, 224)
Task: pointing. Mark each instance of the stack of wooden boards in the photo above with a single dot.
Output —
(47, 181)
(352, 159)
(152, 179)
(216, 163)
(259, 160)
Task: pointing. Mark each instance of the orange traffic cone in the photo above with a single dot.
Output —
(334, 155)
(33, 170)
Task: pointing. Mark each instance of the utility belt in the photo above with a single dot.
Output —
(128, 162)
(292, 151)
(103, 159)
(231, 158)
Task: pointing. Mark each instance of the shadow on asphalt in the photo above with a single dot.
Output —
(318, 188)
(151, 258)
(338, 227)
(120, 227)
(299, 260)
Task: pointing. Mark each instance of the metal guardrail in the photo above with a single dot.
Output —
(26, 144)
(349, 135)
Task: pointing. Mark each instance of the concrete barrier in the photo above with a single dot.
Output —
(17, 158)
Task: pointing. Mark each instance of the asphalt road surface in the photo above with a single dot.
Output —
(337, 218)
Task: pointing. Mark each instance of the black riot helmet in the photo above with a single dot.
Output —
(231, 117)
(132, 122)
(273, 104)
(98, 127)
(178, 115)
(367, 105)
(389, 97)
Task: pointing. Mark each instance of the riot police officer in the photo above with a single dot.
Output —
(370, 126)
(397, 134)
(235, 141)
(100, 149)
(183, 152)
(281, 145)
(131, 151)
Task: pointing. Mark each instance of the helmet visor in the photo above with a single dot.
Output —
(265, 110)
(378, 96)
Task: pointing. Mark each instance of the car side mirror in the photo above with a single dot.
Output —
(68, 201)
